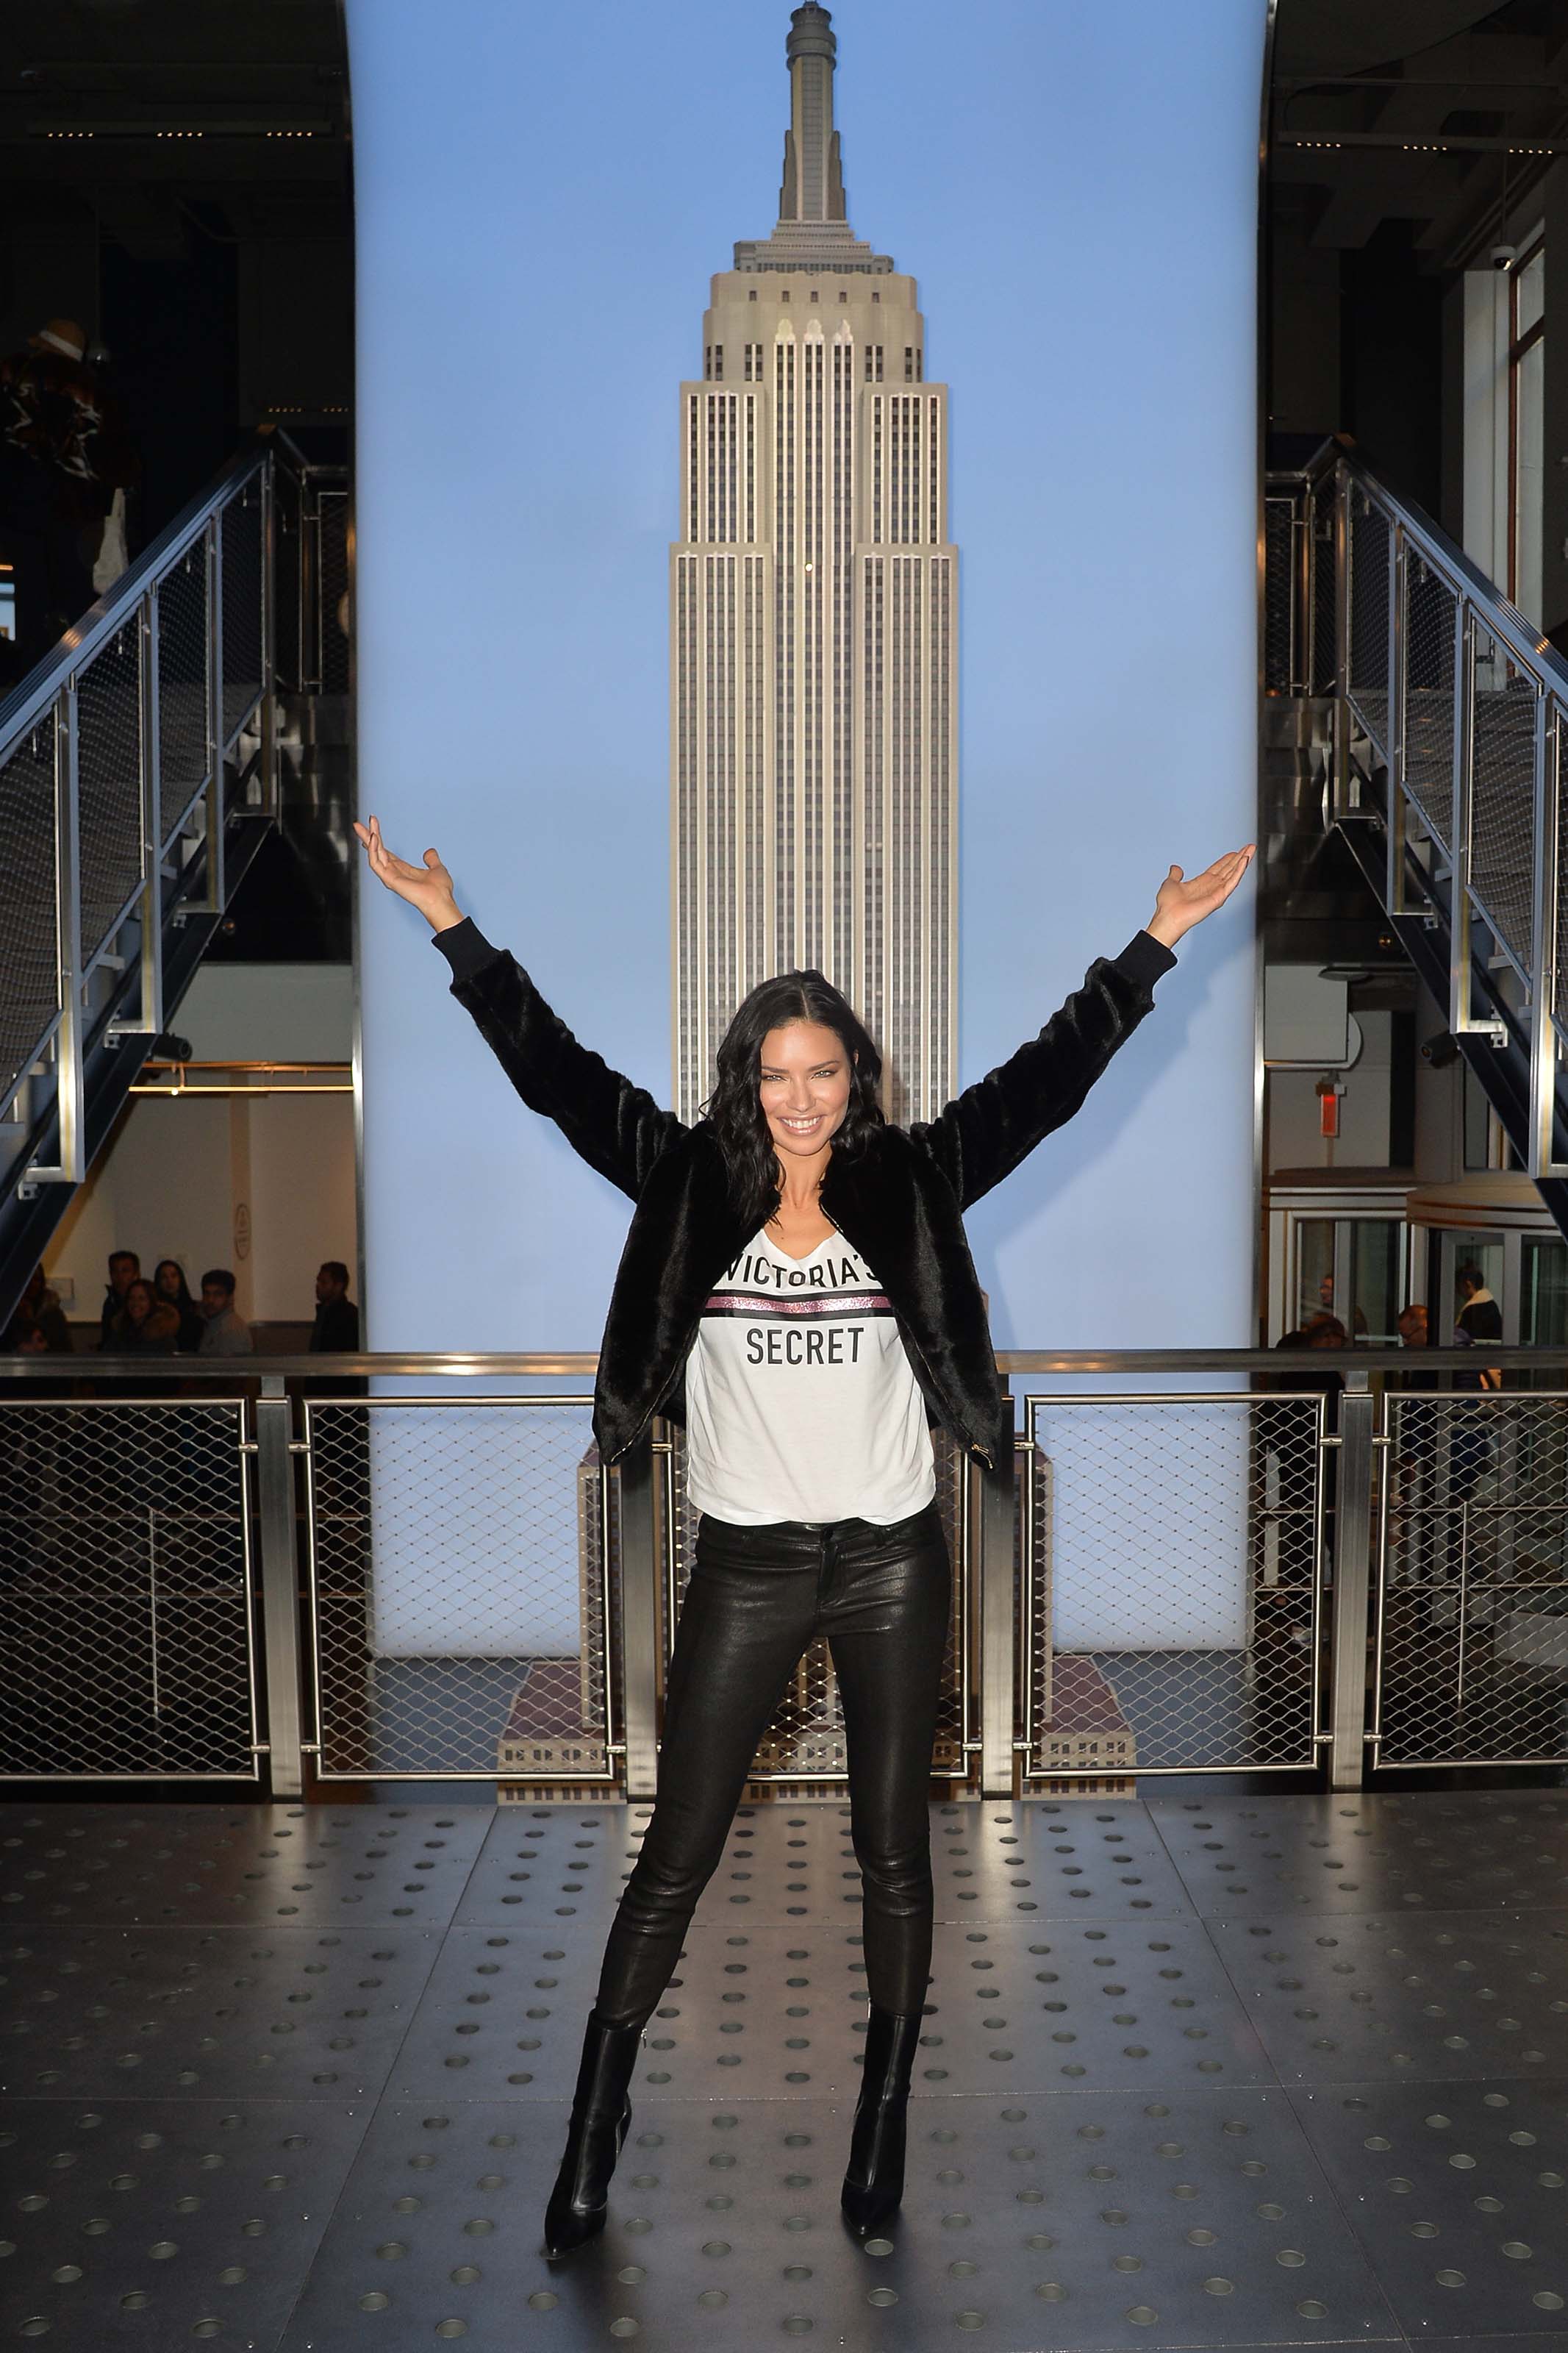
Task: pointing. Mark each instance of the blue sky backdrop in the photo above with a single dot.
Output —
(542, 195)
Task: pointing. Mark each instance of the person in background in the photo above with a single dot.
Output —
(1413, 1428)
(24, 1336)
(146, 1325)
(124, 1266)
(337, 1317)
(227, 1333)
(169, 1283)
(1480, 1318)
(41, 1302)
(63, 454)
(1469, 1439)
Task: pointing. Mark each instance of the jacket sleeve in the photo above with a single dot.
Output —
(984, 1133)
(615, 1126)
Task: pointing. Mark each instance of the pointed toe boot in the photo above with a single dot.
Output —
(874, 2180)
(601, 2113)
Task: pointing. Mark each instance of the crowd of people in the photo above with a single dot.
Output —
(1478, 1318)
(161, 1317)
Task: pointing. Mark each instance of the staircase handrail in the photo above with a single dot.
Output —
(28, 702)
(1525, 644)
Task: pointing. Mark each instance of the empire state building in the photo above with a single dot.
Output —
(814, 635)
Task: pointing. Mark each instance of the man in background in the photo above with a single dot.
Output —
(227, 1333)
(124, 1266)
(337, 1317)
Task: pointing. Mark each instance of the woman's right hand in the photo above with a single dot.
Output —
(426, 887)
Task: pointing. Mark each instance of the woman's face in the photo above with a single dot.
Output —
(168, 1280)
(805, 1078)
(139, 1301)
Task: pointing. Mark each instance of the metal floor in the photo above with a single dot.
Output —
(1215, 2069)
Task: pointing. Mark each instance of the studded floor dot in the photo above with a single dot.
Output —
(1095, 2222)
(796, 1861)
(164, 2221)
(780, 2013)
(117, 2013)
(1370, 1852)
(1460, 2191)
(290, 1866)
(1448, 1994)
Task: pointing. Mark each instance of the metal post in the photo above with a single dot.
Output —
(275, 1452)
(1544, 961)
(1398, 640)
(1352, 1550)
(639, 1616)
(1462, 1021)
(71, 1167)
(269, 648)
(994, 1580)
(149, 1018)
(212, 793)
(1342, 801)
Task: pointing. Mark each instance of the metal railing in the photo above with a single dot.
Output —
(1205, 1567)
(124, 756)
(1445, 691)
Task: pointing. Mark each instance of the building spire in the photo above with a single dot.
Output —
(813, 229)
(813, 186)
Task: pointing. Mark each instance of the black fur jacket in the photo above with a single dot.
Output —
(898, 1205)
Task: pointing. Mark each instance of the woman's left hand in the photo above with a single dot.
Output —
(1185, 900)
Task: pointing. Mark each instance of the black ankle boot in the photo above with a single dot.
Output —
(600, 2114)
(874, 2182)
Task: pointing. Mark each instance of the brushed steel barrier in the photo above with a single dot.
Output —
(1202, 1568)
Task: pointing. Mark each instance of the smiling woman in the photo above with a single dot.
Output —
(796, 1288)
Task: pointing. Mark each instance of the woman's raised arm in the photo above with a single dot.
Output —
(984, 1133)
(616, 1127)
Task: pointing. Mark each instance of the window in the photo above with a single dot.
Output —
(1526, 384)
(753, 295)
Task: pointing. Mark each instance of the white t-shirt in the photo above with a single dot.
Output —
(800, 1403)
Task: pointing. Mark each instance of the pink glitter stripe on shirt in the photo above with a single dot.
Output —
(824, 1302)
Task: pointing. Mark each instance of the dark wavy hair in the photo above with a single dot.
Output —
(735, 1104)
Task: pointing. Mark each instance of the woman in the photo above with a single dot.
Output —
(796, 1287)
(173, 1291)
(146, 1325)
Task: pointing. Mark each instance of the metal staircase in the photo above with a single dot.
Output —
(1443, 758)
(138, 777)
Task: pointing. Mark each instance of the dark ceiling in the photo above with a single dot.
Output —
(1439, 113)
(143, 110)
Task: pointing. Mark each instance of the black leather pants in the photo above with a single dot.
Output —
(755, 1596)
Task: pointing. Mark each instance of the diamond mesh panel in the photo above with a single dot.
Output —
(1502, 810)
(1431, 619)
(241, 608)
(181, 685)
(28, 999)
(125, 1573)
(1370, 551)
(806, 1740)
(108, 784)
(333, 581)
(458, 1559)
(1472, 1633)
(1172, 1606)
(1280, 667)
